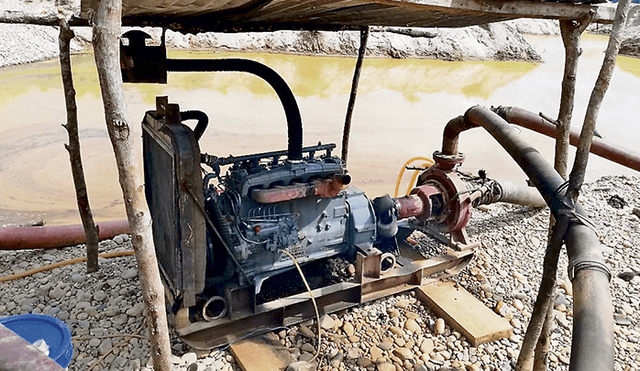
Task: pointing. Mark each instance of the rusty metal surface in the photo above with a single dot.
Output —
(38, 237)
(18, 355)
(600, 147)
(325, 188)
(412, 271)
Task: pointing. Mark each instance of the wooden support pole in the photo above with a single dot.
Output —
(595, 101)
(541, 353)
(364, 36)
(544, 298)
(106, 37)
(90, 228)
(570, 31)
(542, 316)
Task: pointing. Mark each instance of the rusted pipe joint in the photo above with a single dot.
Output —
(447, 162)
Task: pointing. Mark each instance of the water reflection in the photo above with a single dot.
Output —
(400, 112)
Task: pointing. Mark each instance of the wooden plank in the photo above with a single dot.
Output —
(464, 312)
(264, 352)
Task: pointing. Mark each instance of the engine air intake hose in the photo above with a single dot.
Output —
(203, 121)
(291, 110)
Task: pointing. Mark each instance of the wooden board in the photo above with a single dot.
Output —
(464, 312)
(264, 352)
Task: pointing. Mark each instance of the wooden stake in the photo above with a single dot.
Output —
(106, 36)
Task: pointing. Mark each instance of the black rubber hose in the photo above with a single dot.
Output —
(291, 110)
(203, 121)
(592, 345)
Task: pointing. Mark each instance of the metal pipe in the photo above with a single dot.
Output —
(291, 110)
(48, 237)
(520, 194)
(509, 192)
(203, 121)
(592, 344)
(599, 146)
(451, 133)
(593, 329)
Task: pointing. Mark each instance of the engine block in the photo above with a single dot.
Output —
(221, 225)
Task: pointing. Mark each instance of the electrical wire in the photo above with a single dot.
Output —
(313, 300)
(428, 162)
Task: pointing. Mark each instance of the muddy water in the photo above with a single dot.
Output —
(400, 112)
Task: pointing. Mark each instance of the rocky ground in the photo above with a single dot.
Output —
(104, 309)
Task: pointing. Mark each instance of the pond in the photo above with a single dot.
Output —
(400, 113)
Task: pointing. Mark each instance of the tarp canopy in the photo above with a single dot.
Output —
(264, 15)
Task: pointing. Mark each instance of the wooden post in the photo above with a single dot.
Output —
(570, 31)
(543, 310)
(90, 229)
(544, 298)
(364, 36)
(106, 35)
(595, 101)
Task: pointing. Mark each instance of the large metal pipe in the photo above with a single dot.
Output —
(48, 237)
(513, 193)
(291, 110)
(592, 348)
(600, 147)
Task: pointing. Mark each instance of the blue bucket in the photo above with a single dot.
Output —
(55, 333)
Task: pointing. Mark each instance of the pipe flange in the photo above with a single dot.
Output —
(447, 162)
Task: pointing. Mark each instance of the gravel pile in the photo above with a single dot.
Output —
(396, 333)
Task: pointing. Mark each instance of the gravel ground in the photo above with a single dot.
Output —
(395, 333)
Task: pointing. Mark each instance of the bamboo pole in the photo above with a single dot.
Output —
(106, 36)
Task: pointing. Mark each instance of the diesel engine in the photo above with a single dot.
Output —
(224, 226)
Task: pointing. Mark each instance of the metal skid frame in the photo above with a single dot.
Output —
(411, 271)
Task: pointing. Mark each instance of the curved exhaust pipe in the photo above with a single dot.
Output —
(291, 110)
(592, 345)
(48, 237)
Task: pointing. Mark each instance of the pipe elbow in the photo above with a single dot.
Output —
(452, 132)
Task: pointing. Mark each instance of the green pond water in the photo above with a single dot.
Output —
(400, 112)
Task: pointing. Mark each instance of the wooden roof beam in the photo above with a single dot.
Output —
(518, 8)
